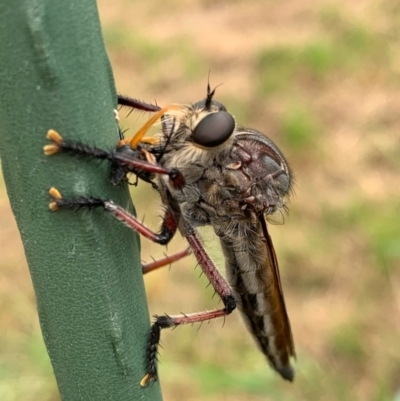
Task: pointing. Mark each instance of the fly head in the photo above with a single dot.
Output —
(196, 136)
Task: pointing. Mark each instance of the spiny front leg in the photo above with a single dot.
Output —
(130, 160)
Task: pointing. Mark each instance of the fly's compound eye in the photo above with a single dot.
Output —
(214, 129)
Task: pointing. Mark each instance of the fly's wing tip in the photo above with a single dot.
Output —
(287, 372)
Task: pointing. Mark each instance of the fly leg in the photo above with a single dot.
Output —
(168, 229)
(149, 267)
(129, 160)
(168, 226)
(220, 286)
(137, 104)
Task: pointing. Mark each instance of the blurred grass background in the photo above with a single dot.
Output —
(322, 79)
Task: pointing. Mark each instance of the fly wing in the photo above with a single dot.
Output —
(272, 264)
(252, 270)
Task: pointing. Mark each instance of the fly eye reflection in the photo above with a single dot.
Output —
(214, 129)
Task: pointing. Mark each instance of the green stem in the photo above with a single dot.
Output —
(85, 267)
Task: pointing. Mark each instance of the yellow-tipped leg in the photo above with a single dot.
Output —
(55, 195)
(54, 147)
(54, 136)
(50, 150)
(146, 380)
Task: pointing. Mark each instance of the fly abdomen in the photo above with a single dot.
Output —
(252, 273)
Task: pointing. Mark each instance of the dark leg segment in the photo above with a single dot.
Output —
(75, 148)
(137, 104)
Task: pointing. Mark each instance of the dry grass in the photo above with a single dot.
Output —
(322, 80)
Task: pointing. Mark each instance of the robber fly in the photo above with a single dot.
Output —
(208, 171)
